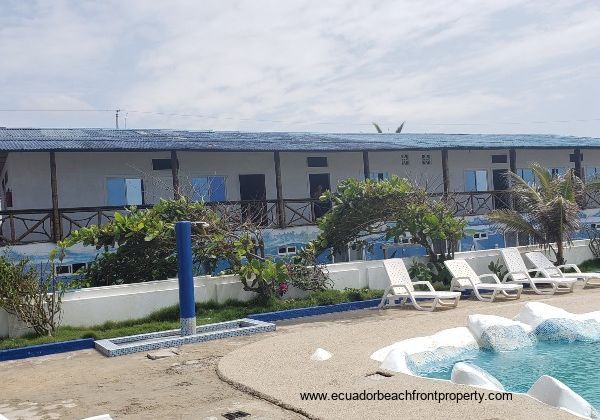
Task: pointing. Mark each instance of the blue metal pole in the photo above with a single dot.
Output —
(187, 300)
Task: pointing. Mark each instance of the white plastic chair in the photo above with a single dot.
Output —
(465, 278)
(401, 289)
(520, 274)
(545, 266)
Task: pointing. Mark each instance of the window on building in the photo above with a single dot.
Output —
(379, 176)
(426, 159)
(572, 157)
(209, 188)
(476, 180)
(499, 159)
(61, 270)
(527, 175)
(161, 164)
(592, 173)
(557, 171)
(595, 226)
(480, 235)
(404, 160)
(286, 250)
(124, 191)
(316, 162)
(77, 266)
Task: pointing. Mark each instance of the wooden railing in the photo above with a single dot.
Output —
(35, 225)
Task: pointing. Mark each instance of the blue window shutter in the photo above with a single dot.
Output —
(115, 191)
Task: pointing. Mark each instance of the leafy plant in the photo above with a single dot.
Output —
(390, 208)
(594, 244)
(421, 271)
(305, 273)
(430, 271)
(264, 277)
(547, 211)
(33, 298)
(140, 246)
(498, 269)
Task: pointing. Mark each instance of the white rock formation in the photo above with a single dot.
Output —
(468, 374)
(321, 355)
(479, 323)
(453, 337)
(534, 313)
(553, 392)
(395, 361)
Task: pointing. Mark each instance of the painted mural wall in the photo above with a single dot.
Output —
(284, 242)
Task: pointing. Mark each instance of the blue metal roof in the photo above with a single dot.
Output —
(93, 139)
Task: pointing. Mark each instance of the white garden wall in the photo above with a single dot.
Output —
(92, 306)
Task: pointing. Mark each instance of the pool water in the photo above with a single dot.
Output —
(576, 364)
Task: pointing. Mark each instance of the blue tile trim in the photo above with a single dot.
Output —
(315, 310)
(46, 349)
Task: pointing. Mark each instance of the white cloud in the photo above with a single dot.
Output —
(301, 65)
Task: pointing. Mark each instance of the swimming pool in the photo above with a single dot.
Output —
(577, 364)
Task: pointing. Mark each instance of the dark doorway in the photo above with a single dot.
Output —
(319, 183)
(501, 183)
(253, 195)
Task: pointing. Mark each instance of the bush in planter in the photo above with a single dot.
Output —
(306, 273)
(35, 300)
(144, 249)
(389, 208)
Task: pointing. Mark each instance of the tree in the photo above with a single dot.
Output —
(32, 297)
(391, 208)
(398, 130)
(547, 211)
(140, 246)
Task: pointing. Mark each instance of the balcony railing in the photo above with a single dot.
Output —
(36, 225)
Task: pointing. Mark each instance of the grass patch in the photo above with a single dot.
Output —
(206, 313)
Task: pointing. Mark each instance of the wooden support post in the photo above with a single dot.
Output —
(366, 166)
(175, 175)
(279, 188)
(512, 162)
(56, 223)
(577, 160)
(445, 173)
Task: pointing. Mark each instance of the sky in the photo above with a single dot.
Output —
(442, 66)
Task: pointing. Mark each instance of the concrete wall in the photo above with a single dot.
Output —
(93, 306)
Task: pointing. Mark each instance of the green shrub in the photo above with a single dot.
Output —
(33, 298)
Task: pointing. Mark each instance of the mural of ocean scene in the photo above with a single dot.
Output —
(282, 243)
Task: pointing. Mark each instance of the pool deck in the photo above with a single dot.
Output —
(275, 366)
(284, 369)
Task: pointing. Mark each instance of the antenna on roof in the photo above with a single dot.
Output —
(117, 118)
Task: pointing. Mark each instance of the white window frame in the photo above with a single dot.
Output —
(289, 250)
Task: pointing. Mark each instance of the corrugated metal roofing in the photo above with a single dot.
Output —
(91, 139)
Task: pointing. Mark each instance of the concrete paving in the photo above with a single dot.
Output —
(279, 368)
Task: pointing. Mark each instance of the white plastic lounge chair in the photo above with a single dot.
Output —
(548, 269)
(464, 278)
(401, 289)
(520, 274)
